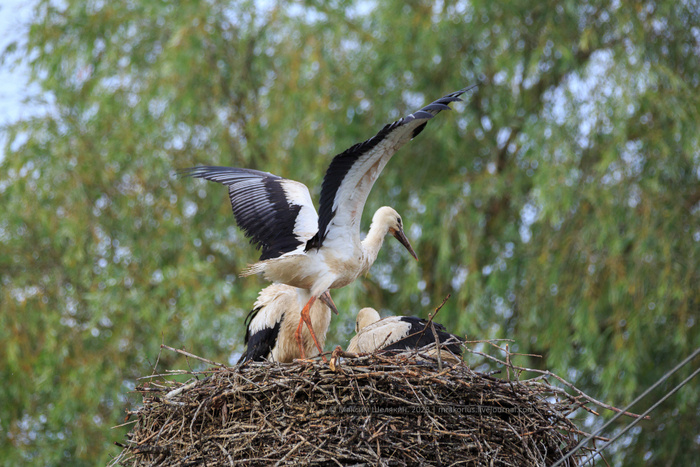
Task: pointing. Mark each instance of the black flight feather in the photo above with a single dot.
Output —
(259, 206)
(260, 344)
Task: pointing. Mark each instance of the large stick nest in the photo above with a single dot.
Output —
(387, 410)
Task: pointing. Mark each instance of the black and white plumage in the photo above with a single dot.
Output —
(277, 214)
(317, 252)
(271, 324)
(398, 333)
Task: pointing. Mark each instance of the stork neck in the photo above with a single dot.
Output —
(373, 243)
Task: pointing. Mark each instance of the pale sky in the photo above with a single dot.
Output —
(14, 17)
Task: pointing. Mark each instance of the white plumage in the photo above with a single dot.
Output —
(318, 252)
(398, 333)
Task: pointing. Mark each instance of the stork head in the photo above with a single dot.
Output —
(365, 317)
(392, 220)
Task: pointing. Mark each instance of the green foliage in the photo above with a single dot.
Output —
(559, 205)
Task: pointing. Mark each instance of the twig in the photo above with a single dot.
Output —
(437, 345)
(644, 415)
(431, 316)
(190, 355)
(563, 381)
(185, 387)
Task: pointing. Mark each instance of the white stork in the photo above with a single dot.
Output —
(398, 333)
(271, 324)
(317, 252)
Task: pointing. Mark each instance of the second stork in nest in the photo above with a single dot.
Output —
(398, 333)
(270, 325)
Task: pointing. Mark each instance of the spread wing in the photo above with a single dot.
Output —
(275, 213)
(352, 173)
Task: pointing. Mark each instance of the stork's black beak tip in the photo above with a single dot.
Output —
(401, 237)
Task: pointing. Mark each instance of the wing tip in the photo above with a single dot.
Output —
(463, 90)
(441, 104)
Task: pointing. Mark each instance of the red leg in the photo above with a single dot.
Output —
(306, 318)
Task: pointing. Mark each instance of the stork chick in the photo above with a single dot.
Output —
(398, 333)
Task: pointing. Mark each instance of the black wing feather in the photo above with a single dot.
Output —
(259, 206)
(259, 345)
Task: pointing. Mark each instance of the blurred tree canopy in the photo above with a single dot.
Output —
(560, 205)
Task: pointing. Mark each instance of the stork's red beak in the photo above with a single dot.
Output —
(401, 237)
(326, 298)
